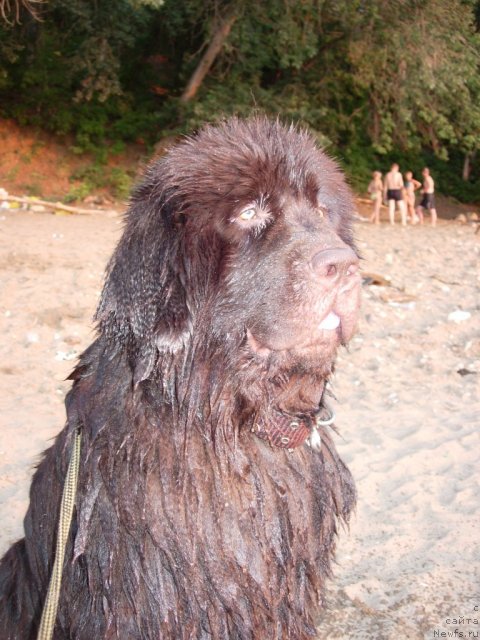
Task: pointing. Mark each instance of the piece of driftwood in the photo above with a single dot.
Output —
(56, 205)
(376, 279)
(367, 201)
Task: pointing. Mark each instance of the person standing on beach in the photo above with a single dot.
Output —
(393, 192)
(428, 200)
(375, 189)
(411, 185)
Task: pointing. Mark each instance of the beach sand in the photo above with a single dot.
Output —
(407, 404)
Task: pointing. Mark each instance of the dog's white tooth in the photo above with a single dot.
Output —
(330, 322)
(315, 440)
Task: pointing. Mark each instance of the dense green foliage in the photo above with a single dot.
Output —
(375, 80)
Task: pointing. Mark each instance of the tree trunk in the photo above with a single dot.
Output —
(219, 37)
(375, 124)
(467, 167)
(46, 204)
(10, 12)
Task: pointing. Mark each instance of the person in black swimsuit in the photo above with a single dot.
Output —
(428, 199)
(393, 191)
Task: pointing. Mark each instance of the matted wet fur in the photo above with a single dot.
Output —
(223, 308)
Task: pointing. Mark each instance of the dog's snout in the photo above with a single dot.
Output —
(329, 264)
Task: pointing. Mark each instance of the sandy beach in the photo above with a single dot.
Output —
(407, 403)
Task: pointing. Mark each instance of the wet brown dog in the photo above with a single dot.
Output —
(209, 489)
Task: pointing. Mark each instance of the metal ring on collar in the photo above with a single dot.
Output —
(328, 421)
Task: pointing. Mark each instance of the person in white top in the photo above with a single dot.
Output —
(393, 193)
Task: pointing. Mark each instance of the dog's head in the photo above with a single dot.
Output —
(239, 238)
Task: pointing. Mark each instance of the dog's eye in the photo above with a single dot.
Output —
(254, 218)
(248, 214)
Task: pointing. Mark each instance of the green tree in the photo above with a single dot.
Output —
(371, 78)
(417, 70)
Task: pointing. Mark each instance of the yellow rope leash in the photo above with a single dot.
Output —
(49, 613)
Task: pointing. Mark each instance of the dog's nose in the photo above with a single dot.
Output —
(330, 264)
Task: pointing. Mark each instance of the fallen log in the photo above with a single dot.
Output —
(368, 201)
(56, 205)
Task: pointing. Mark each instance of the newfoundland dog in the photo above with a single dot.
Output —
(209, 489)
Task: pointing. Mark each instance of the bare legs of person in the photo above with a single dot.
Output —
(375, 217)
(391, 211)
(433, 214)
(420, 214)
(411, 212)
(402, 208)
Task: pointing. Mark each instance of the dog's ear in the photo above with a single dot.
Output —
(144, 304)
